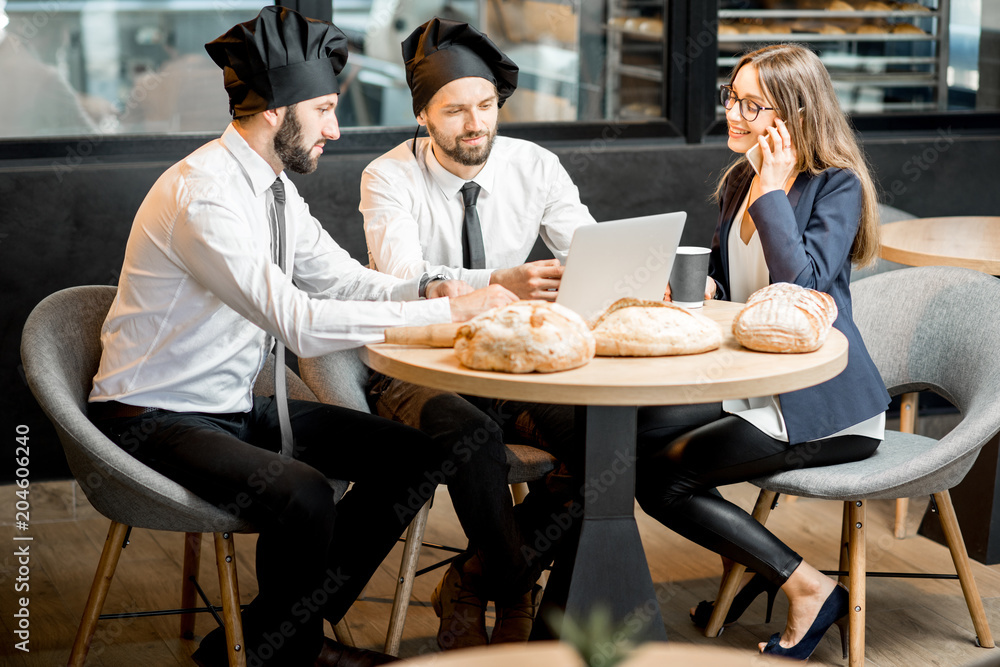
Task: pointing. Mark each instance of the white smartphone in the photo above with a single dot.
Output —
(755, 158)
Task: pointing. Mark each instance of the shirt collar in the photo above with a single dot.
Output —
(449, 183)
(257, 170)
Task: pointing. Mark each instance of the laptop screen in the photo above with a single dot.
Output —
(619, 258)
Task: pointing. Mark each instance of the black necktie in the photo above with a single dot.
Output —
(280, 390)
(473, 252)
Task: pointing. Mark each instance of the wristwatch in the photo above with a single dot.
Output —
(426, 280)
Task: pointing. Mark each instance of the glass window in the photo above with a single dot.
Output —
(883, 56)
(83, 67)
(560, 46)
(71, 67)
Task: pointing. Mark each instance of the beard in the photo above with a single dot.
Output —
(469, 156)
(288, 145)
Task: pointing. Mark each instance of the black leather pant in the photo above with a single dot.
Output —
(678, 475)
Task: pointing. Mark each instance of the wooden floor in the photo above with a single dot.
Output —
(910, 622)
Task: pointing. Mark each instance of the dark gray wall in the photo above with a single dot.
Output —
(68, 226)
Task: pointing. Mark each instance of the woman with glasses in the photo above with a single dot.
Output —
(805, 218)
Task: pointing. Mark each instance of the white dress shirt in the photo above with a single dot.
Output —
(199, 298)
(413, 210)
(747, 274)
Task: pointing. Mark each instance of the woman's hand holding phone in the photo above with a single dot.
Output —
(773, 157)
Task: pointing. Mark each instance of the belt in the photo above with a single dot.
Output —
(116, 410)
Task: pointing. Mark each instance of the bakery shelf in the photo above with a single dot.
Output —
(647, 73)
(837, 62)
(822, 14)
(635, 34)
(882, 79)
(890, 67)
(637, 54)
(815, 37)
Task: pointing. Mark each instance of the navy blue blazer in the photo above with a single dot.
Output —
(807, 238)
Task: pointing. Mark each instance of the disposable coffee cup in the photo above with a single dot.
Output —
(688, 276)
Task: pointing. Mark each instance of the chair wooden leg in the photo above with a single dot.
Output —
(404, 585)
(189, 595)
(225, 557)
(959, 554)
(342, 631)
(112, 551)
(519, 492)
(907, 424)
(731, 580)
(856, 589)
(845, 543)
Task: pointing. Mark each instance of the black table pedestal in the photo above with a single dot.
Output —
(608, 571)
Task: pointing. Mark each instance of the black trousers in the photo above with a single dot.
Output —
(313, 556)
(514, 542)
(678, 475)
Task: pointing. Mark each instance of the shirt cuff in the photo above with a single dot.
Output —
(478, 278)
(407, 290)
(427, 311)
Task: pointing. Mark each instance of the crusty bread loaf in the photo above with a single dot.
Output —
(831, 29)
(875, 6)
(839, 6)
(523, 337)
(785, 318)
(907, 29)
(651, 27)
(637, 328)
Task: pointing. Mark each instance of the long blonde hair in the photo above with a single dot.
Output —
(793, 78)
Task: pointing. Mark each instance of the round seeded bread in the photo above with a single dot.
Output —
(785, 318)
(637, 328)
(525, 337)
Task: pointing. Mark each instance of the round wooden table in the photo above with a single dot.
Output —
(609, 568)
(561, 654)
(968, 242)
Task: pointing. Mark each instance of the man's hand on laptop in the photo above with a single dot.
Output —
(709, 290)
(534, 280)
(471, 304)
(451, 288)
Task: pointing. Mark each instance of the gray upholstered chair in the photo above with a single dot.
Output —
(927, 328)
(340, 379)
(909, 402)
(60, 350)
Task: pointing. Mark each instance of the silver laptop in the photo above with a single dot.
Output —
(619, 258)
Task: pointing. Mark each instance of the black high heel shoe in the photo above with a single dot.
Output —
(757, 585)
(833, 610)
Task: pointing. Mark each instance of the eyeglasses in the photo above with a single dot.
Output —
(748, 108)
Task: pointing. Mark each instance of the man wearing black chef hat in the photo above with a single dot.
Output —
(466, 203)
(204, 293)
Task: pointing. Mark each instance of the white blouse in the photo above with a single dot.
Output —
(747, 274)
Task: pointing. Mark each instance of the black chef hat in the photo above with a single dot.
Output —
(277, 59)
(441, 51)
